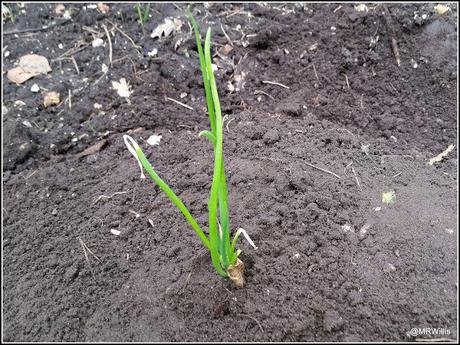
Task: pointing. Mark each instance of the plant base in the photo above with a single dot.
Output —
(236, 273)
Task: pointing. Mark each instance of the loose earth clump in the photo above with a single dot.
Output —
(320, 122)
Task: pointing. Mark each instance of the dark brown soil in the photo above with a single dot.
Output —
(333, 262)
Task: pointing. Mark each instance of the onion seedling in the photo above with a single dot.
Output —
(224, 255)
(143, 13)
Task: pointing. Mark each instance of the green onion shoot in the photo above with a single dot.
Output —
(224, 255)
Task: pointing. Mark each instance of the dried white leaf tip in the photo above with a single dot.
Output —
(132, 147)
(169, 26)
(246, 236)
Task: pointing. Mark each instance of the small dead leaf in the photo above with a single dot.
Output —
(226, 49)
(92, 149)
(178, 43)
(51, 98)
(33, 63)
(103, 8)
(239, 80)
(389, 197)
(439, 157)
(18, 75)
(29, 66)
(169, 26)
(122, 88)
(441, 9)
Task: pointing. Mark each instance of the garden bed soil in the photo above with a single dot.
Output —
(334, 263)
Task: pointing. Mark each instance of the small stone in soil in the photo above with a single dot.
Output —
(35, 88)
(271, 137)
(332, 321)
(389, 268)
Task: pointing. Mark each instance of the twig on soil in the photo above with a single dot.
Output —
(125, 34)
(109, 197)
(397, 174)
(323, 170)
(253, 319)
(231, 13)
(186, 282)
(28, 176)
(391, 34)
(346, 79)
(132, 64)
(346, 167)
(85, 248)
(226, 126)
(361, 101)
(68, 58)
(223, 121)
(102, 76)
(87, 28)
(43, 28)
(110, 43)
(75, 64)
(137, 215)
(70, 99)
(342, 129)
(338, 8)
(31, 174)
(356, 177)
(382, 160)
(180, 103)
(226, 36)
(73, 50)
(259, 92)
(275, 83)
(316, 74)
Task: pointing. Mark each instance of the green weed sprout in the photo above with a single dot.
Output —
(224, 255)
(143, 13)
